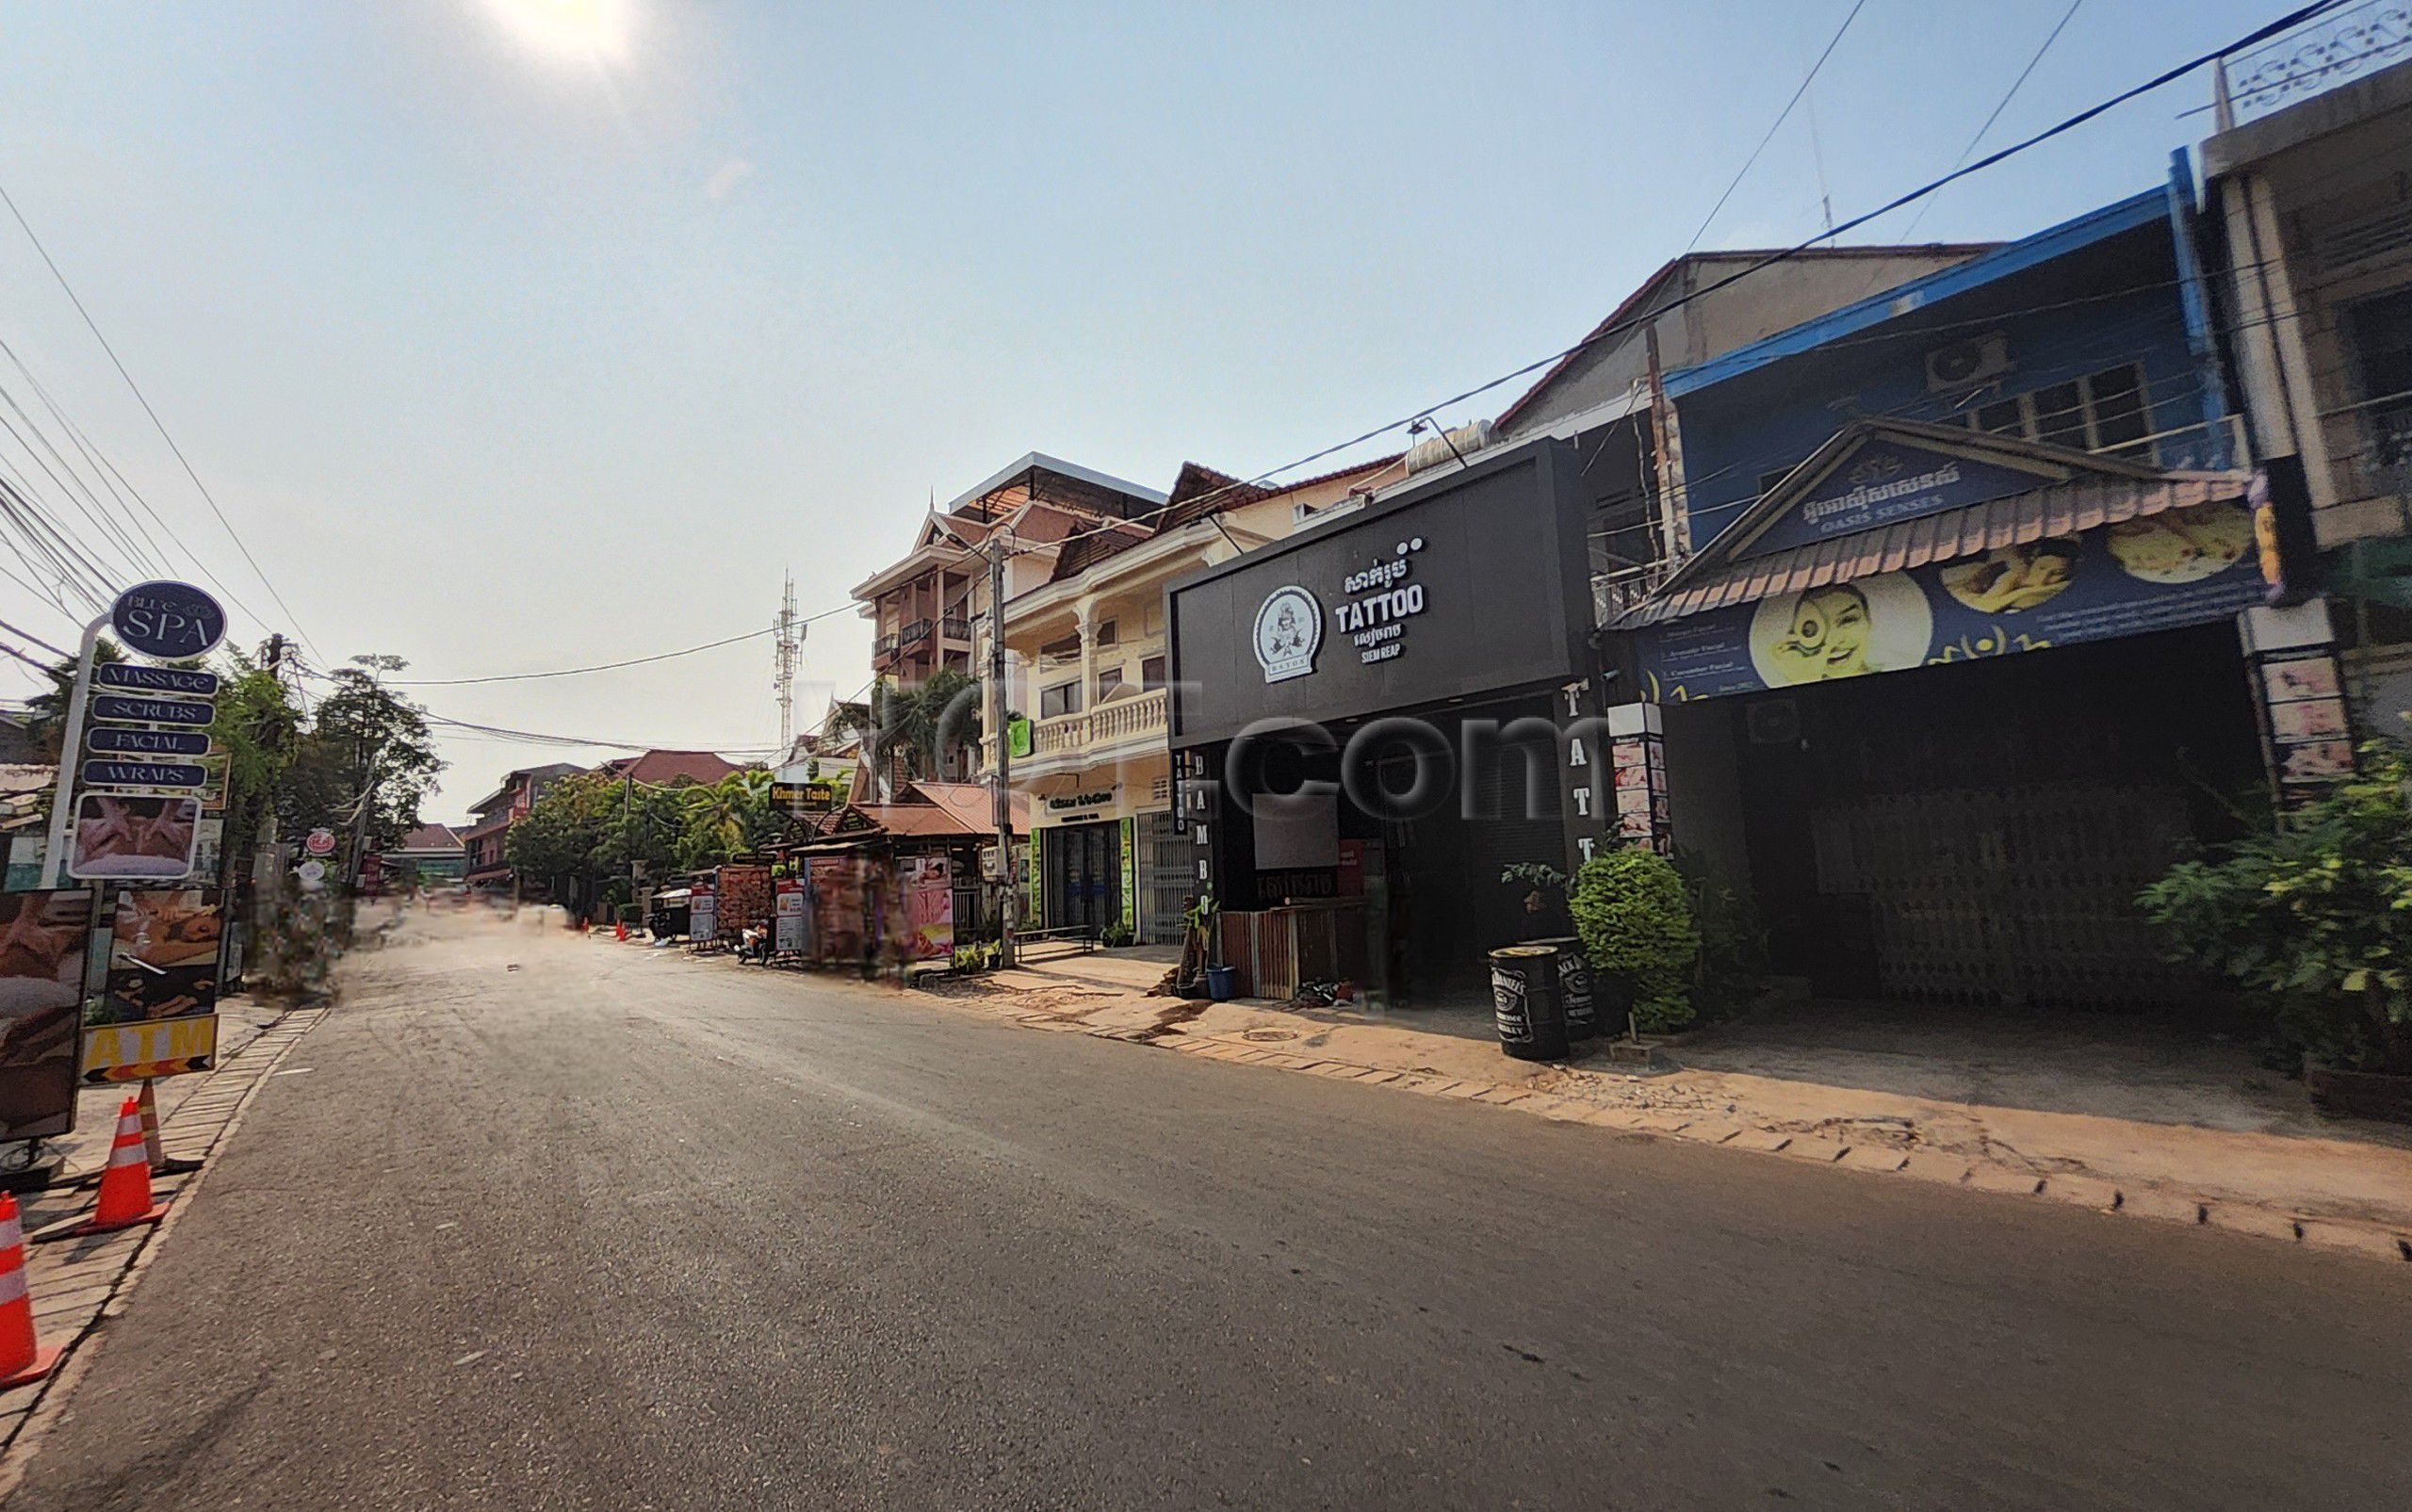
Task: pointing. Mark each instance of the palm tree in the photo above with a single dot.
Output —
(908, 732)
(729, 816)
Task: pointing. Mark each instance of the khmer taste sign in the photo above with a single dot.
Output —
(2158, 573)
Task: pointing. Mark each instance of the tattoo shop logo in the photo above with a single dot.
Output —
(1289, 629)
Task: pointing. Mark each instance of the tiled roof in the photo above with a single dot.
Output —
(663, 768)
(2074, 492)
(972, 806)
(430, 837)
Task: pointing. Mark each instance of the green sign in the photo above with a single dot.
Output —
(1017, 736)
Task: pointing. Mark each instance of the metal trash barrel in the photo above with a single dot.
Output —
(1575, 996)
(1525, 1003)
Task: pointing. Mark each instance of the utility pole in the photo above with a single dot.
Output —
(1008, 896)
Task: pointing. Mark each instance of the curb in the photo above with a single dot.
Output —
(102, 1280)
(2339, 1236)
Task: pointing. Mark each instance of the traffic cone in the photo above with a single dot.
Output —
(23, 1361)
(125, 1185)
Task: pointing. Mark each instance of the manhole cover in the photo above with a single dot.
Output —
(1270, 1034)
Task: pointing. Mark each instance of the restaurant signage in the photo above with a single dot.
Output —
(2155, 573)
(801, 798)
(790, 919)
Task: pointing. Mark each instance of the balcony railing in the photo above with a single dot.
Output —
(2320, 54)
(956, 627)
(1125, 719)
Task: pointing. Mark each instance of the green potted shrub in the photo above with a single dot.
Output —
(1634, 916)
(2315, 920)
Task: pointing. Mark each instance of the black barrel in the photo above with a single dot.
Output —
(1525, 1001)
(1575, 988)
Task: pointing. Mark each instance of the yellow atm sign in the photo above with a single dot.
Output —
(130, 1052)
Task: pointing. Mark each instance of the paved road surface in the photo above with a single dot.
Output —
(617, 1230)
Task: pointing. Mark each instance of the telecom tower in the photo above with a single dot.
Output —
(787, 652)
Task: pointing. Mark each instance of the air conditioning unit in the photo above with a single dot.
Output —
(1967, 364)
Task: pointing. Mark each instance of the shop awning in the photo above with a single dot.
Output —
(1735, 570)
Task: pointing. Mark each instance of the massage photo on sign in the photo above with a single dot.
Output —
(128, 836)
(163, 961)
(41, 986)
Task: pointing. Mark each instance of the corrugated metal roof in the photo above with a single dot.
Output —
(2063, 509)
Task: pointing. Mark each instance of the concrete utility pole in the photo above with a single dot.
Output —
(1009, 896)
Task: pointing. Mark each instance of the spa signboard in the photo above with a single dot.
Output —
(2157, 572)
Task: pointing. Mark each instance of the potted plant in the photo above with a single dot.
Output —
(1634, 915)
(2315, 920)
(1544, 895)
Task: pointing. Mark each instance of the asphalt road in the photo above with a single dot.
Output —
(535, 1222)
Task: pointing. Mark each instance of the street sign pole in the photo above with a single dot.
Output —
(71, 745)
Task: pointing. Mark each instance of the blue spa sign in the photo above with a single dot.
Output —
(2183, 567)
(170, 621)
(1882, 482)
(141, 679)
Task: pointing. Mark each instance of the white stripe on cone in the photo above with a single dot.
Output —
(126, 1154)
(13, 1287)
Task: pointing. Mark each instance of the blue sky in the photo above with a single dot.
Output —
(504, 356)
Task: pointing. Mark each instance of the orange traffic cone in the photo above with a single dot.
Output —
(125, 1185)
(23, 1361)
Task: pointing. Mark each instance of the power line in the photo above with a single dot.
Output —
(576, 672)
(1782, 116)
(28, 635)
(120, 487)
(2167, 77)
(158, 423)
(2002, 105)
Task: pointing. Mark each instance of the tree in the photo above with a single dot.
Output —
(910, 731)
(258, 728)
(366, 747)
(728, 818)
(46, 711)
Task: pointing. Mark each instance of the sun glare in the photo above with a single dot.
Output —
(588, 30)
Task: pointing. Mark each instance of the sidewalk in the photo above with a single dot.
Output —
(75, 1283)
(2329, 1192)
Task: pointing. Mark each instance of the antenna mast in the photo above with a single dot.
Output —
(787, 652)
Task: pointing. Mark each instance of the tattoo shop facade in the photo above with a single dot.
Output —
(1950, 681)
(1372, 718)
